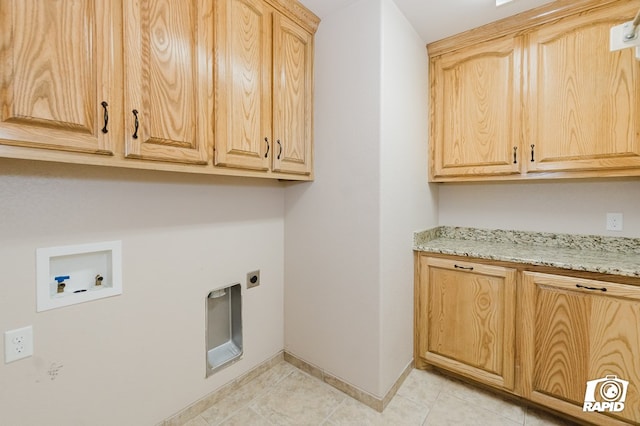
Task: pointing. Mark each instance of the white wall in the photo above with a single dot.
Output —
(139, 357)
(407, 203)
(348, 235)
(578, 207)
(331, 226)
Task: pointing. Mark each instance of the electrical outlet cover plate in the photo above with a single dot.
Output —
(18, 344)
(253, 279)
(614, 222)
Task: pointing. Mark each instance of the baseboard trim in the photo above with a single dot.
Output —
(366, 398)
(201, 405)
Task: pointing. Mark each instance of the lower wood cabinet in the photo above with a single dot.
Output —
(575, 331)
(562, 342)
(467, 319)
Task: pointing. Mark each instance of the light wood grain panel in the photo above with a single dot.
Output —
(462, 318)
(570, 330)
(561, 337)
(577, 330)
(292, 94)
(419, 309)
(579, 104)
(155, 67)
(296, 11)
(18, 152)
(477, 112)
(55, 70)
(168, 48)
(616, 284)
(585, 100)
(615, 343)
(546, 13)
(243, 84)
(468, 319)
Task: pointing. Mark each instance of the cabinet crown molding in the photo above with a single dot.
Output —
(298, 12)
(516, 23)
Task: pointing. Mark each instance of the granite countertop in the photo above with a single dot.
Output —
(592, 253)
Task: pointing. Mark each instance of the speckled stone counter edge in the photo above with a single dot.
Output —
(544, 239)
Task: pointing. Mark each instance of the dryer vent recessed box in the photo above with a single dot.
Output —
(67, 275)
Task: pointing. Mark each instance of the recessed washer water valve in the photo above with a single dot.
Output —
(61, 284)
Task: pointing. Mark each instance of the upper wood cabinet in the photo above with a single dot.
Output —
(168, 48)
(158, 84)
(58, 79)
(465, 319)
(243, 84)
(584, 103)
(575, 331)
(263, 88)
(538, 95)
(292, 96)
(476, 109)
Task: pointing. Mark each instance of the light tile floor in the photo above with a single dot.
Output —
(284, 395)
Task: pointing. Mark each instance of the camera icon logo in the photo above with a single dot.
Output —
(605, 394)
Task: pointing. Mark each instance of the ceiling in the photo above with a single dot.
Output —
(436, 19)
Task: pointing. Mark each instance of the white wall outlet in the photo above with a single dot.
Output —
(614, 221)
(18, 344)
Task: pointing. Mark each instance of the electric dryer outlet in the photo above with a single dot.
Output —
(253, 279)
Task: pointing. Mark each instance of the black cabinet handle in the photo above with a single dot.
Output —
(591, 288)
(106, 116)
(515, 155)
(280, 145)
(266, 153)
(470, 268)
(532, 157)
(137, 124)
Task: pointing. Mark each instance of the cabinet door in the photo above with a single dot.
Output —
(292, 96)
(168, 63)
(466, 319)
(243, 84)
(476, 125)
(575, 331)
(56, 69)
(584, 99)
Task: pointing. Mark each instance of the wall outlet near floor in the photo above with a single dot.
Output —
(18, 344)
(614, 221)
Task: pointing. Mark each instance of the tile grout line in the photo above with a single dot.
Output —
(435, 400)
(418, 403)
(262, 417)
(490, 395)
(333, 411)
(477, 406)
(265, 391)
(316, 383)
(196, 408)
(253, 399)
